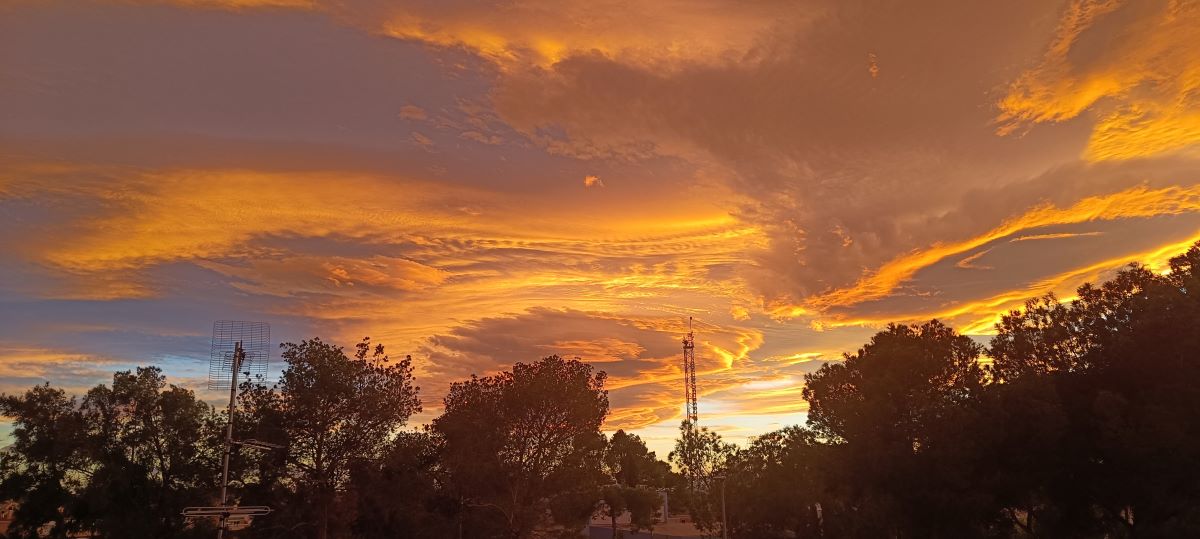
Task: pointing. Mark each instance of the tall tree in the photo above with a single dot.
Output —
(884, 405)
(517, 441)
(46, 466)
(330, 410)
(155, 449)
(635, 473)
(630, 463)
(774, 486)
(703, 459)
(1120, 360)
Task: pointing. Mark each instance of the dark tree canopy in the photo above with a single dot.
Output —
(123, 463)
(517, 440)
(330, 410)
(892, 388)
(635, 475)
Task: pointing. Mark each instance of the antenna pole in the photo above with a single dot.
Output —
(689, 375)
(234, 367)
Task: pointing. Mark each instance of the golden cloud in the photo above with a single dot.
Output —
(977, 317)
(22, 366)
(1139, 71)
(297, 275)
(1137, 202)
(640, 353)
(536, 34)
(528, 33)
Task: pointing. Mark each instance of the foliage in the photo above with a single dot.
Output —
(703, 459)
(636, 475)
(787, 461)
(628, 462)
(516, 441)
(123, 463)
(329, 411)
(45, 468)
(399, 495)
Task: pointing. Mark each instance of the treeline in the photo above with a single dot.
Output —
(519, 454)
(1079, 419)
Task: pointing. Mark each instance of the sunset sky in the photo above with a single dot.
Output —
(481, 183)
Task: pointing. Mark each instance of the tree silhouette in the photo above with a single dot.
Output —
(46, 465)
(774, 486)
(123, 463)
(331, 411)
(516, 441)
(702, 457)
(635, 473)
(882, 408)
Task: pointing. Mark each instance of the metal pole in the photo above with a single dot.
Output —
(724, 521)
(237, 364)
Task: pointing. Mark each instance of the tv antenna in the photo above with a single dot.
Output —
(246, 344)
(238, 347)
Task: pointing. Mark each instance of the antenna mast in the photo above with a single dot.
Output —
(237, 348)
(689, 375)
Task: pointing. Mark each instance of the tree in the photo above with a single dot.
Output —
(124, 462)
(1048, 336)
(888, 406)
(774, 486)
(401, 495)
(330, 411)
(634, 472)
(630, 463)
(45, 468)
(154, 449)
(1120, 363)
(701, 456)
(517, 441)
(641, 502)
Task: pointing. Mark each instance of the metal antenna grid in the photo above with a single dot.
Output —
(254, 340)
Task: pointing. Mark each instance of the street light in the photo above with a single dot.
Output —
(724, 522)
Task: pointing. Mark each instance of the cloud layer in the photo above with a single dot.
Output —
(792, 176)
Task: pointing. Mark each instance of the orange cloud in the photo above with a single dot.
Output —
(413, 112)
(296, 275)
(531, 34)
(24, 366)
(979, 316)
(640, 353)
(1138, 202)
(1139, 71)
(969, 262)
(412, 241)
(1055, 236)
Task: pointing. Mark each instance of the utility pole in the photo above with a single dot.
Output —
(238, 355)
(236, 345)
(724, 520)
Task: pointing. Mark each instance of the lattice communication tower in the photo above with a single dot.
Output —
(689, 375)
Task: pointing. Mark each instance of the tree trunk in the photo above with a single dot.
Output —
(323, 526)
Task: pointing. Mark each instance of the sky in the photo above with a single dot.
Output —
(482, 183)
